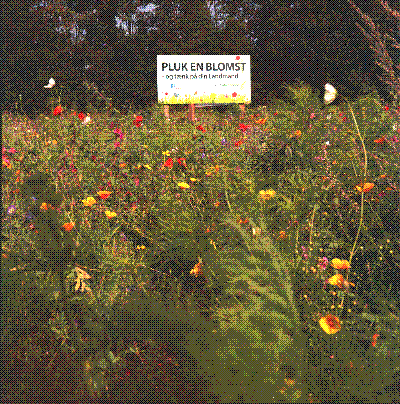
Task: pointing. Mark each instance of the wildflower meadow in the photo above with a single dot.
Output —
(223, 260)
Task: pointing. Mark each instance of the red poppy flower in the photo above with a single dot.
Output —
(380, 140)
(234, 94)
(81, 116)
(169, 163)
(57, 110)
(244, 127)
(200, 128)
(182, 162)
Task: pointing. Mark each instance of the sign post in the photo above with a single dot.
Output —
(203, 79)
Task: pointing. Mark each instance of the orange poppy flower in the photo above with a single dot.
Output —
(340, 264)
(68, 226)
(366, 187)
(330, 324)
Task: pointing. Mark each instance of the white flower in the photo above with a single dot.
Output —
(86, 120)
(329, 116)
(396, 126)
(51, 84)
(330, 93)
(327, 143)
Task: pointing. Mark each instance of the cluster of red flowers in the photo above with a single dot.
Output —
(169, 163)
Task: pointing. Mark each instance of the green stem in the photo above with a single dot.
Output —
(362, 192)
(226, 193)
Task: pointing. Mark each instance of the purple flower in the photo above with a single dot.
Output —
(223, 141)
(203, 156)
(29, 215)
(11, 210)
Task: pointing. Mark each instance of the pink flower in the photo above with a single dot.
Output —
(323, 263)
(117, 144)
(312, 115)
(12, 150)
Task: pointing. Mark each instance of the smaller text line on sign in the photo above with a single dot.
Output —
(203, 79)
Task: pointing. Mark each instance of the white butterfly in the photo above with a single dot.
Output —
(51, 84)
(330, 93)
(86, 120)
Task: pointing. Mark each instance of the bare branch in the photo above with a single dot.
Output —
(394, 13)
(378, 45)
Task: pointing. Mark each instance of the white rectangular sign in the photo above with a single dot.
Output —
(203, 79)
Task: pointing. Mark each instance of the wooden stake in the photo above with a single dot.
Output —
(191, 113)
(242, 107)
(166, 111)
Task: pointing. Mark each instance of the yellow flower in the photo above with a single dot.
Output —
(166, 153)
(268, 194)
(147, 166)
(263, 120)
(68, 226)
(193, 179)
(340, 264)
(296, 134)
(290, 382)
(197, 270)
(110, 214)
(183, 185)
(89, 201)
(330, 324)
(282, 234)
(367, 187)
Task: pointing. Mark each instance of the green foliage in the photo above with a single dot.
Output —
(257, 343)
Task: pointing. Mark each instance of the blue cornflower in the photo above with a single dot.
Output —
(11, 210)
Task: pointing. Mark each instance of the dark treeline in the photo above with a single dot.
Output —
(316, 41)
